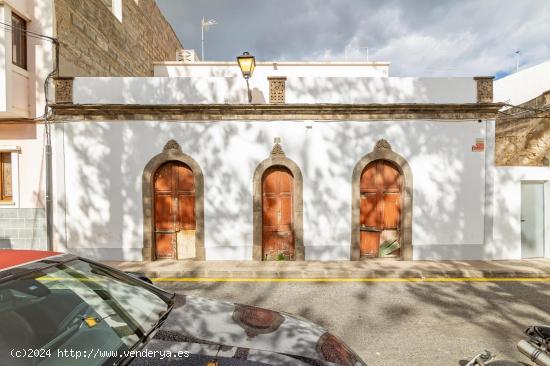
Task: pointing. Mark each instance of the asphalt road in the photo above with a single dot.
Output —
(403, 323)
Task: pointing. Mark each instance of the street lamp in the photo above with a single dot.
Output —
(247, 63)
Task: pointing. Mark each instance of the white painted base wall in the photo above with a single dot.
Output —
(99, 170)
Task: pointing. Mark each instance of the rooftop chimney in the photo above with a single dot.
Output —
(185, 55)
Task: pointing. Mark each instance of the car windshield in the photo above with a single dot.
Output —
(74, 307)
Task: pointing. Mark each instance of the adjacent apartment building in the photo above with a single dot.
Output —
(96, 38)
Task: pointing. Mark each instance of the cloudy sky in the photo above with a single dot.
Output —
(419, 37)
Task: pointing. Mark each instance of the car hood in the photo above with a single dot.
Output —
(252, 335)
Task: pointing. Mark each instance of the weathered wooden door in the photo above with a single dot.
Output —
(277, 220)
(381, 187)
(174, 197)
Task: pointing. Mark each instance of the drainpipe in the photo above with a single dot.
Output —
(48, 149)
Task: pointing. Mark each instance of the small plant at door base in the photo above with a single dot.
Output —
(388, 247)
(280, 257)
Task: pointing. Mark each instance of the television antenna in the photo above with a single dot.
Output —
(205, 25)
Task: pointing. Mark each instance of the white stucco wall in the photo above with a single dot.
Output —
(381, 90)
(265, 69)
(524, 85)
(222, 89)
(100, 199)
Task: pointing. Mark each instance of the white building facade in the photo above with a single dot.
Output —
(340, 168)
(24, 65)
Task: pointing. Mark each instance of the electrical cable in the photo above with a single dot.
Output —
(522, 114)
(29, 33)
(526, 108)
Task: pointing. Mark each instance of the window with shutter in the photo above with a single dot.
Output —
(19, 41)
(6, 194)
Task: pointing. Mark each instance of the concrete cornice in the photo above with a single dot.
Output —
(11, 121)
(216, 112)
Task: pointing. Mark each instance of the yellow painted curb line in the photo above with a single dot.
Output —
(410, 279)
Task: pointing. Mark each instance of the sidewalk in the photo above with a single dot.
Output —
(164, 269)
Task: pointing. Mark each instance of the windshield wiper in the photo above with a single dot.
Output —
(123, 360)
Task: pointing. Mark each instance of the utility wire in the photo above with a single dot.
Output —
(530, 117)
(522, 114)
(29, 33)
(12, 28)
(526, 108)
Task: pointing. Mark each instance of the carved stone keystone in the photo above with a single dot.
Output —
(382, 144)
(277, 150)
(172, 145)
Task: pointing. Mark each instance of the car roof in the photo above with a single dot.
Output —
(14, 257)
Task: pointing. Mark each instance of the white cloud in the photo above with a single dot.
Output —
(420, 37)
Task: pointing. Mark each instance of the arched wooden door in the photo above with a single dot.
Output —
(174, 202)
(380, 219)
(277, 220)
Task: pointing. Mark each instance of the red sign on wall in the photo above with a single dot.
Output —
(479, 145)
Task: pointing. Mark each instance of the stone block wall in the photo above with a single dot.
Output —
(523, 134)
(23, 228)
(94, 42)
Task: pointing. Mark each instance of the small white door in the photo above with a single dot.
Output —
(532, 220)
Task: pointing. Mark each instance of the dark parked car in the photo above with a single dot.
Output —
(59, 309)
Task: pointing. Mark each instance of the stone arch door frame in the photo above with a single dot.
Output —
(383, 151)
(278, 158)
(171, 152)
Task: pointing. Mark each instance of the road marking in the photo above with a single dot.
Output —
(411, 279)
